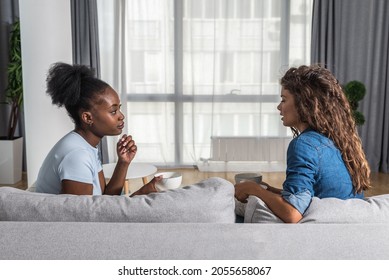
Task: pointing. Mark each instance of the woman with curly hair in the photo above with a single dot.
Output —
(325, 158)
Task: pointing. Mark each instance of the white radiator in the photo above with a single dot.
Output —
(269, 149)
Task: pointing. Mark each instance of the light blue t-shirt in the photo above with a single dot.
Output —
(72, 158)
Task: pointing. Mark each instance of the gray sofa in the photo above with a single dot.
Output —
(196, 222)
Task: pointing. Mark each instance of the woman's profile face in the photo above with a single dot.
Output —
(107, 117)
(288, 111)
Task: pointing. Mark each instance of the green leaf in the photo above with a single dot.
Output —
(14, 90)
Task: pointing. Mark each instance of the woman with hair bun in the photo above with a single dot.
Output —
(73, 165)
(325, 158)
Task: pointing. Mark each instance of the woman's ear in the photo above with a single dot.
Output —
(86, 118)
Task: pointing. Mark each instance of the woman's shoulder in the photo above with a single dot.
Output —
(70, 143)
(312, 137)
(310, 133)
(309, 141)
(74, 139)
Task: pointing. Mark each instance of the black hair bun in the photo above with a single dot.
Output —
(64, 83)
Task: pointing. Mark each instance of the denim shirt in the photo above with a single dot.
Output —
(315, 168)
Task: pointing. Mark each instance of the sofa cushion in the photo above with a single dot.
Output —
(256, 211)
(373, 209)
(211, 200)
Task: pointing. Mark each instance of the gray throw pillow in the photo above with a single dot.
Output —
(211, 200)
(240, 208)
(258, 212)
(373, 209)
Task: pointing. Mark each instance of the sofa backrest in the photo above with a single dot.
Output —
(211, 200)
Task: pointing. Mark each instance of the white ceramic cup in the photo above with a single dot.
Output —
(171, 180)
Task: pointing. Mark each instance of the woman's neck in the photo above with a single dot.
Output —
(89, 136)
(301, 127)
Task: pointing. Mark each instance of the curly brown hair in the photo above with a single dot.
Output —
(322, 104)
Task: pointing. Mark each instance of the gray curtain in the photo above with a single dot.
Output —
(9, 12)
(85, 35)
(351, 37)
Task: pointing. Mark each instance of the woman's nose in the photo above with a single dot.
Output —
(279, 107)
(122, 117)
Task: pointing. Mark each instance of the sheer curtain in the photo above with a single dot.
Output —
(188, 70)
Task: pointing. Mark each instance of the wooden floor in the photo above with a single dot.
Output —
(380, 181)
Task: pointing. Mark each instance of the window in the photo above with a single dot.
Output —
(192, 69)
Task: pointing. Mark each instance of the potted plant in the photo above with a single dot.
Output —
(11, 147)
(355, 91)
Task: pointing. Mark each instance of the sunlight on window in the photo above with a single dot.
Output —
(194, 69)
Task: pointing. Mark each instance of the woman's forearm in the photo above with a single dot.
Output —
(274, 190)
(279, 206)
(115, 184)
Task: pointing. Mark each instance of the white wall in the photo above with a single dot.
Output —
(46, 38)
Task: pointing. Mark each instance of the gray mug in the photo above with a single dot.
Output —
(255, 177)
